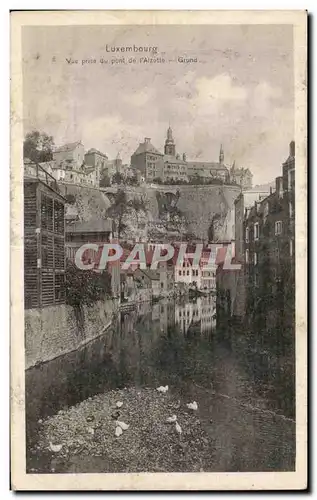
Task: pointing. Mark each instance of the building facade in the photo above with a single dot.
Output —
(173, 167)
(269, 254)
(148, 161)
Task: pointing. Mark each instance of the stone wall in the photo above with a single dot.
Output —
(56, 330)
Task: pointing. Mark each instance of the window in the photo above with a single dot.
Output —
(256, 230)
(256, 280)
(187, 273)
(255, 258)
(179, 273)
(247, 256)
(247, 235)
(291, 247)
(278, 227)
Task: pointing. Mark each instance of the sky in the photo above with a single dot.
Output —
(239, 93)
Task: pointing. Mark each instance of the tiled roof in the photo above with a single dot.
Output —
(67, 147)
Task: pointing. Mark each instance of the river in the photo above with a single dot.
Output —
(245, 392)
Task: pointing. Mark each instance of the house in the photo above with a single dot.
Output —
(71, 154)
(95, 162)
(150, 279)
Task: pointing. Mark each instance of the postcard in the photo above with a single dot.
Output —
(158, 250)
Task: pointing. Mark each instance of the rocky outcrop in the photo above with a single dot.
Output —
(204, 212)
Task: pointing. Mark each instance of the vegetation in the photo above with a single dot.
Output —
(117, 178)
(38, 146)
(118, 210)
(85, 287)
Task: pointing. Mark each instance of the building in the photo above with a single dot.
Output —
(187, 274)
(44, 241)
(166, 271)
(99, 232)
(199, 170)
(71, 154)
(173, 167)
(93, 231)
(244, 201)
(269, 254)
(241, 176)
(150, 279)
(148, 161)
(95, 162)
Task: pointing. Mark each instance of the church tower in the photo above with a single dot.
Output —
(169, 148)
(221, 155)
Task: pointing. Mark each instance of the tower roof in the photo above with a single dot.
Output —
(169, 135)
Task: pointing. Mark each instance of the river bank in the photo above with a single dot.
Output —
(85, 433)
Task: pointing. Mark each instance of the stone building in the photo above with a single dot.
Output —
(72, 154)
(269, 254)
(171, 166)
(148, 161)
(95, 163)
(208, 170)
(241, 176)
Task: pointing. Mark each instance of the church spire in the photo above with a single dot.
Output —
(221, 155)
(169, 148)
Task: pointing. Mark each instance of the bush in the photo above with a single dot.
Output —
(85, 287)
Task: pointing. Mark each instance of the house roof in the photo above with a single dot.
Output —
(91, 226)
(153, 275)
(146, 147)
(67, 147)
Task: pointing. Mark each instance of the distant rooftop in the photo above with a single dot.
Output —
(91, 226)
(67, 147)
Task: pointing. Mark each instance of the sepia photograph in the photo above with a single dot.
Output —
(159, 221)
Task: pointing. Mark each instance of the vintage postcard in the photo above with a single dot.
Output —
(158, 250)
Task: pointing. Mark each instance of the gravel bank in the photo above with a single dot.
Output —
(150, 444)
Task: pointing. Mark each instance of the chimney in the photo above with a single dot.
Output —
(279, 186)
(147, 139)
(292, 148)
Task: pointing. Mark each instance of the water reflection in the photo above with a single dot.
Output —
(178, 343)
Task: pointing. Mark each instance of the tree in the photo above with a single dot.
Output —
(104, 181)
(118, 210)
(117, 178)
(38, 146)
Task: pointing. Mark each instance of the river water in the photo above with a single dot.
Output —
(245, 391)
